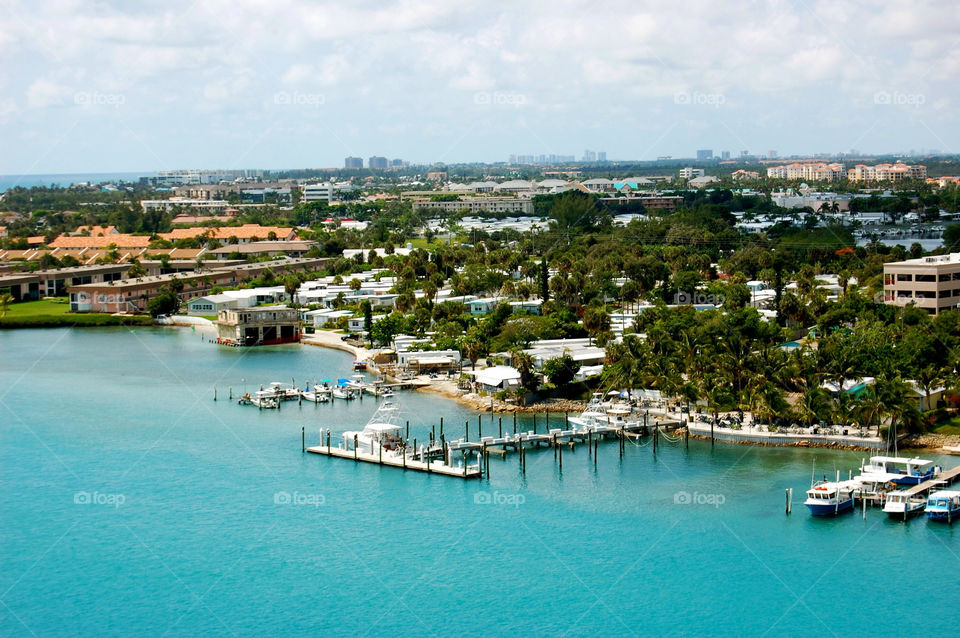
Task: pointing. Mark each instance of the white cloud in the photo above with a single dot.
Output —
(43, 93)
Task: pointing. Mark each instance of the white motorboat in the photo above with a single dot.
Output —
(900, 505)
(279, 391)
(382, 432)
(265, 402)
(912, 471)
(316, 394)
(595, 414)
(341, 392)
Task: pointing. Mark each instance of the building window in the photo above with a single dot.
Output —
(904, 293)
(903, 277)
(925, 294)
(944, 277)
(925, 278)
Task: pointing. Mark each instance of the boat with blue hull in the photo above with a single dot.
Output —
(912, 471)
(829, 498)
(944, 506)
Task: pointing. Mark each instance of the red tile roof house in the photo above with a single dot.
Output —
(244, 234)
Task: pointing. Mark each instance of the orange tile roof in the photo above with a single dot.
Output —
(247, 231)
(95, 231)
(120, 240)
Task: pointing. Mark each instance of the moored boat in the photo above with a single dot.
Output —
(943, 505)
(901, 505)
(382, 432)
(906, 471)
(829, 498)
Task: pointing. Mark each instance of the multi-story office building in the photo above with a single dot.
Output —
(931, 283)
(691, 173)
(353, 162)
(704, 154)
(376, 162)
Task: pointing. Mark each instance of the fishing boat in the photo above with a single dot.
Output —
(265, 402)
(279, 391)
(901, 505)
(246, 399)
(317, 394)
(906, 471)
(595, 414)
(943, 506)
(342, 392)
(382, 432)
(829, 498)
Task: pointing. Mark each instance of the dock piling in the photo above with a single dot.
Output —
(441, 426)
(231, 393)
(788, 497)
(500, 427)
(214, 393)
(514, 422)
(303, 439)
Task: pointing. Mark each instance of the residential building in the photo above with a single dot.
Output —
(886, 172)
(810, 171)
(243, 234)
(260, 248)
(691, 173)
(262, 326)
(480, 204)
(741, 174)
(931, 283)
(704, 154)
(211, 305)
(377, 163)
(183, 203)
(353, 162)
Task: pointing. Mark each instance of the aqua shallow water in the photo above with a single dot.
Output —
(185, 535)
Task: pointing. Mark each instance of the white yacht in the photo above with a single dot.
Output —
(906, 471)
(382, 432)
(829, 498)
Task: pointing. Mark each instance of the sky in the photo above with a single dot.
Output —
(147, 85)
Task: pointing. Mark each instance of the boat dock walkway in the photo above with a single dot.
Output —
(947, 477)
(437, 456)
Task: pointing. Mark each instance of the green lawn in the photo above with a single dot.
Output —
(42, 308)
(56, 312)
(950, 427)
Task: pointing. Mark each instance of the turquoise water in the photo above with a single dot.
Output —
(189, 531)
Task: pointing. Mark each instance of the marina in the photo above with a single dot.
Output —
(213, 490)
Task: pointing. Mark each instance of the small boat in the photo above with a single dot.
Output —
(316, 395)
(265, 402)
(246, 399)
(943, 505)
(359, 365)
(901, 506)
(908, 471)
(829, 498)
(594, 415)
(280, 392)
(341, 392)
(382, 432)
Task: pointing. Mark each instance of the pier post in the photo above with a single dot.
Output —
(303, 439)
(328, 440)
(231, 393)
(686, 433)
(560, 456)
(214, 393)
(548, 419)
(514, 422)
(479, 427)
(566, 421)
(656, 435)
(554, 447)
(415, 449)
(441, 426)
(589, 443)
(788, 498)
(596, 448)
(620, 437)
(500, 427)
(534, 422)
(485, 468)
(712, 423)
(355, 450)
(380, 450)
(408, 431)
(433, 434)
(466, 431)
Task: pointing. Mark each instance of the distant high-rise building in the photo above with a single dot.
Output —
(704, 154)
(397, 163)
(601, 156)
(353, 162)
(744, 153)
(375, 162)
(589, 156)
(771, 154)
(725, 155)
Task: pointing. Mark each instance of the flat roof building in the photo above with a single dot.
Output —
(931, 283)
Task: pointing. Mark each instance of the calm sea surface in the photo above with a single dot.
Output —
(133, 504)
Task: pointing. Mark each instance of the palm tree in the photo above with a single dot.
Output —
(812, 404)
(5, 300)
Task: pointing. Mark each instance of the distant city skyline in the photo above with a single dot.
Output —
(157, 87)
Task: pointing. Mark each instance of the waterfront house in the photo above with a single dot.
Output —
(211, 304)
(264, 325)
(496, 378)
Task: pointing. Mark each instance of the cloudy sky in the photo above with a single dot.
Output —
(91, 86)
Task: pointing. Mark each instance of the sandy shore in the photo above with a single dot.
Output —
(449, 389)
(326, 339)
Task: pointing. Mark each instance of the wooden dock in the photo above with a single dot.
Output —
(406, 461)
(438, 456)
(947, 477)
